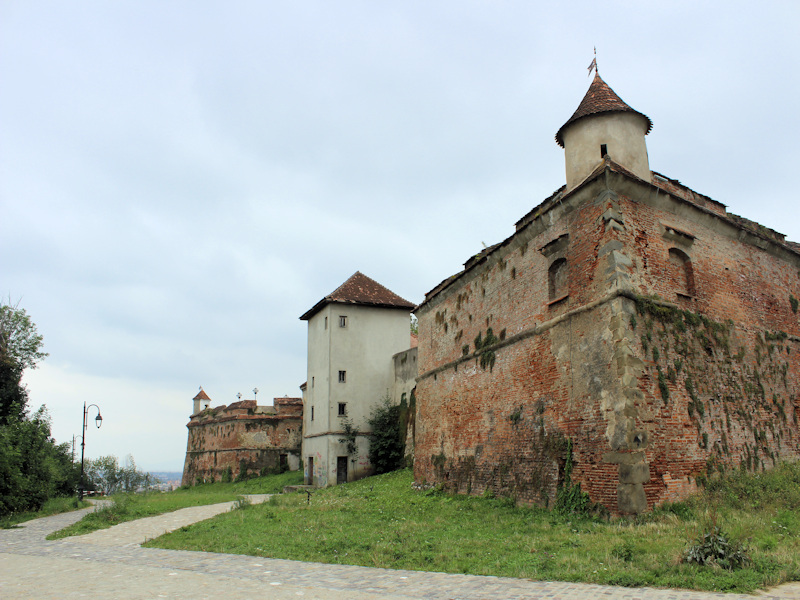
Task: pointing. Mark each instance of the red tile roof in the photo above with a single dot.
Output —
(360, 290)
(201, 395)
(599, 98)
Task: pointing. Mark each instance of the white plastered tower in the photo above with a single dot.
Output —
(604, 125)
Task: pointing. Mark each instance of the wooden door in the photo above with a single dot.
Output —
(341, 470)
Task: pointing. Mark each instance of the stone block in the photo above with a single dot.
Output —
(636, 473)
(631, 499)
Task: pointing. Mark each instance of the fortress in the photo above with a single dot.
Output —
(630, 333)
(232, 441)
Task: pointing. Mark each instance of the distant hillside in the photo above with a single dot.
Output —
(167, 475)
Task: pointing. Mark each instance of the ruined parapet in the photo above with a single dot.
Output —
(225, 440)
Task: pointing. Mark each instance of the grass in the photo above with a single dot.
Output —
(127, 507)
(383, 522)
(53, 506)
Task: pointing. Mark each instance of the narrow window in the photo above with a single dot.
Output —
(342, 409)
(326, 322)
(342, 321)
(312, 413)
(342, 376)
(603, 150)
(312, 382)
(557, 279)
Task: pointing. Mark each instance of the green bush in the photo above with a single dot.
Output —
(716, 548)
(227, 475)
(386, 446)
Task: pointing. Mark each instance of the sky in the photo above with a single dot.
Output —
(180, 181)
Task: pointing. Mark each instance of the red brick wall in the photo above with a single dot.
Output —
(582, 368)
(222, 437)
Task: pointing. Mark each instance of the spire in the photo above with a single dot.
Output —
(599, 98)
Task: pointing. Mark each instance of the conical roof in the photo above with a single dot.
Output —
(599, 98)
(360, 289)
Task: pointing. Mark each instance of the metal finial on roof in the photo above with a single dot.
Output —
(594, 63)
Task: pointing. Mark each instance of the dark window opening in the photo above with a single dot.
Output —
(312, 413)
(342, 409)
(342, 376)
(603, 150)
(342, 321)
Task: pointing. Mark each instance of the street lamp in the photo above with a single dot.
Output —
(98, 421)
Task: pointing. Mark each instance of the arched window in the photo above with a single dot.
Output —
(557, 279)
(681, 273)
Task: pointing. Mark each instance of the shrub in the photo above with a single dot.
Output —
(227, 475)
(386, 447)
(715, 548)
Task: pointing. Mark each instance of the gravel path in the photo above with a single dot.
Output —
(110, 564)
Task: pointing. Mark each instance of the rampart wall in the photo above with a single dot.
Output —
(655, 334)
(260, 439)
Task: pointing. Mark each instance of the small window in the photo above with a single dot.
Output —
(342, 376)
(603, 150)
(312, 382)
(342, 321)
(312, 413)
(326, 322)
(342, 409)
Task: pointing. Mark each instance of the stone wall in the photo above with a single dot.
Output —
(655, 332)
(259, 438)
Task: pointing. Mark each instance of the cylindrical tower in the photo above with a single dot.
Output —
(604, 125)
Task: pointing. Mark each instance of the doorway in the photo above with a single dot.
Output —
(341, 470)
(310, 471)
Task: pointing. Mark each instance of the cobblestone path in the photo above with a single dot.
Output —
(110, 564)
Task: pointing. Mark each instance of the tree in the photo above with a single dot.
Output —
(20, 342)
(106, 474)
(386, 446)
(20, 349)
(32, 466)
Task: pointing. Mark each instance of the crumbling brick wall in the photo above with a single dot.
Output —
(260, 439)
(652, 393)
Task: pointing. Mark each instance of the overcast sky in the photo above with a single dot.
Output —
(180, 181)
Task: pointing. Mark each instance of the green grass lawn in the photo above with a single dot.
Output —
(382, 522)
(53, 506)
(127, 507)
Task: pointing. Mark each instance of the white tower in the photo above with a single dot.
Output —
(200, 402)
(604, 125)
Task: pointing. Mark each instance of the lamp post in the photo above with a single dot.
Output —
(98, 421)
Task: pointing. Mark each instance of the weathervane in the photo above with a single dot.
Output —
(594, 63)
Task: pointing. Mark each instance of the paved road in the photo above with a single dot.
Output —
(110, 564)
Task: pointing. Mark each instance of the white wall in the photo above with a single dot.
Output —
(623, 134)
(364, 350)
